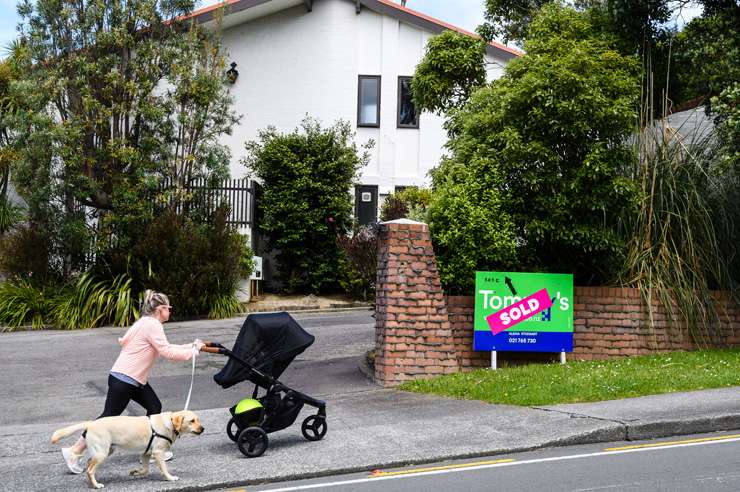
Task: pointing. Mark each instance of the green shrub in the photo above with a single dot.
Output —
(360, 266)
(22, 304)
(194, 264)
(306, 177)
(403, 203)
(470, 230)
(726, 108)
(25, 251)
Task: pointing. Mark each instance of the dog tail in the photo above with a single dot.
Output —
(60, 433)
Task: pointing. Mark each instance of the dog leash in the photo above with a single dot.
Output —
(192, 377)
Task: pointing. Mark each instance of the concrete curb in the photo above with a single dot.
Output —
(308, 309)
(667, 428)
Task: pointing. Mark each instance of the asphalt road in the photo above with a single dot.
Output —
(696, 463)
(66, 380)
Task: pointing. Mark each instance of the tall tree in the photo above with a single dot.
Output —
(6, 152)
(705, 58)
(122, 95)
(509, 20)
(536, 155)
(451, 69)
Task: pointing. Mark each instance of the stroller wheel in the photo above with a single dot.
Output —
(252, 442)
(314, 427)
(232, 429)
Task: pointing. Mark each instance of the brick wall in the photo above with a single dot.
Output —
(608, 322)
(421, 333)
(413, 338)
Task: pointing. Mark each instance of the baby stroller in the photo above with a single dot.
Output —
(266, 345)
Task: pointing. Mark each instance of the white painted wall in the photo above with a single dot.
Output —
(292, 63)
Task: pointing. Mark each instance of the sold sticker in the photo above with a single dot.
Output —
(519, 311)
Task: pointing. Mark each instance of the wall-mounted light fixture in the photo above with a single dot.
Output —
(232, 73)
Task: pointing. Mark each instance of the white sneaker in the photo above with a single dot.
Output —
(73, 461)
(167, 456)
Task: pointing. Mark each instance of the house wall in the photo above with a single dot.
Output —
(295, 62)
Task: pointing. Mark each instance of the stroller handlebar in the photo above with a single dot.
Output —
(213, 350)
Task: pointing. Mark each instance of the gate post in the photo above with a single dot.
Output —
(413, 336)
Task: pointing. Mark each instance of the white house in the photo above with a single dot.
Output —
(338, 59)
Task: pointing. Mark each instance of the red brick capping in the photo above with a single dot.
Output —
(413, 338)
(420, 332)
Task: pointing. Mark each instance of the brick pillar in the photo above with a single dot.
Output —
(413, 338)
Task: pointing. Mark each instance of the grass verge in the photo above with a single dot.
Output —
(585, 381)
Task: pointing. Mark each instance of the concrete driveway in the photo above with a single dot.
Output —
(58, 376)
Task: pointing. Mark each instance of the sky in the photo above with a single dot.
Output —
(467, 14)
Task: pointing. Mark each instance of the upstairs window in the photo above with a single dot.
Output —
(368, 100)
(407, 117)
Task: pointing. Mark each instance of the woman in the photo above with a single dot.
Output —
(141, 346)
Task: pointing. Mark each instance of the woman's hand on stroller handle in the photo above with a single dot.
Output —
(212, 347)
(211, 350)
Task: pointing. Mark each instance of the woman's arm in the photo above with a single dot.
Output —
(173, 352)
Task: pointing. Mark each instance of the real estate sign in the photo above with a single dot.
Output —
(530, 312)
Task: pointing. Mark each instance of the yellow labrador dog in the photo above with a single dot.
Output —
(151, 436)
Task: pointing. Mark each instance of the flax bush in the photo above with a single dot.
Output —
(23, 304)
(92, 302)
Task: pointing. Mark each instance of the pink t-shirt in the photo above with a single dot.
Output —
(142, 344)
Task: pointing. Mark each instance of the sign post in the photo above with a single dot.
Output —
(526, 312)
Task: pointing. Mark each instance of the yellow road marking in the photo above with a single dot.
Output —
(671, 443)
(379, 473)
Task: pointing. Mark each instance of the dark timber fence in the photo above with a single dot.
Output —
(237, 193)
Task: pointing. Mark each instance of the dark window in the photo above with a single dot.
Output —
(368, 100)
(407, 117)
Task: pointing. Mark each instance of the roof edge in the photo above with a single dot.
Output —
(388, 7)
(206, 14)
(435, 25)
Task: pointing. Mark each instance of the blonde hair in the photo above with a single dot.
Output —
(152, 300)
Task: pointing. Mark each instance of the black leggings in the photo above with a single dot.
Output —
(120, 393)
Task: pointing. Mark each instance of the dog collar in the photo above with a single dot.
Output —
(157, 434)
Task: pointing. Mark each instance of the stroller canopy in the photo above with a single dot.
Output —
(267, 342)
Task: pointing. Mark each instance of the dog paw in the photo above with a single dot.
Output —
(138, 471)
(98, 485)
(173, 478)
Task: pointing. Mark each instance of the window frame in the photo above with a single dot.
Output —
(398, 105)
(359, 102)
